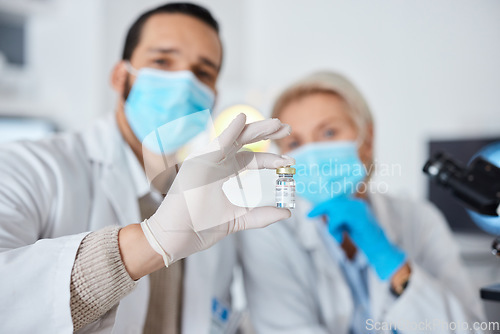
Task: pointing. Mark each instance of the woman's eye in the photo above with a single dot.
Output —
(329, 133)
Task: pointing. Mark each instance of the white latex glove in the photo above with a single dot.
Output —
(196, 213)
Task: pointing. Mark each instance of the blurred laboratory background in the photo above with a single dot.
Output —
(429, 69)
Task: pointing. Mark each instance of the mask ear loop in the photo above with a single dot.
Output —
(130, 69)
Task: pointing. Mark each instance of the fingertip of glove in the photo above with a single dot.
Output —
(281, 161)
(242, 116)
(314, 213)
(276, 124)
(266, 215)
(288, 159)
(281, 214)
(287, 127)
(287, 213)
(339, 237)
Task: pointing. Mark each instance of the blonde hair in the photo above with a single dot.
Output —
(329, 83)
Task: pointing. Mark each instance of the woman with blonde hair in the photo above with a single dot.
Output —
(350, 260)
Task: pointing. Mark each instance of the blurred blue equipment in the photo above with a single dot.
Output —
(477, 186)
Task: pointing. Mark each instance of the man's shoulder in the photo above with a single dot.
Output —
(70, 151)
(30, 160)
(53, 145)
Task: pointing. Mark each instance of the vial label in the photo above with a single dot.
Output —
(285, 196)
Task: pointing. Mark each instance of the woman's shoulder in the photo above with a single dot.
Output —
(411, 223)
(405, 205)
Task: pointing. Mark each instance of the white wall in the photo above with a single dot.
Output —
(65, 47)
(427, 68)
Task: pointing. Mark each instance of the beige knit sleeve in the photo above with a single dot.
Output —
(99, 279)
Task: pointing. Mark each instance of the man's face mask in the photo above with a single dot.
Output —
(326, 170)
(167, 109)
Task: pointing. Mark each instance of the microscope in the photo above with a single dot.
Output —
(477, 187)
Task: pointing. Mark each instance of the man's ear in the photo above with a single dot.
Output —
(119, 77)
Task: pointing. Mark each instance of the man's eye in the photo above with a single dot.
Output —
(328, 133)
(202, 75)
(293, 145)
(161, 62)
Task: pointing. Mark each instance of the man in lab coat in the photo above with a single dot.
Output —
(59, 278)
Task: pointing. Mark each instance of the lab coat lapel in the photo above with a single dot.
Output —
(105, 147)
(199, 279)
(378, 289)
(379, 296)
(121, 194)
(335, 299)
(333, 292)
(388, 219)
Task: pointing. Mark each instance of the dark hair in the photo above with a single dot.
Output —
(134, 33)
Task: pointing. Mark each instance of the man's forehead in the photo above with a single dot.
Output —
(178, 31)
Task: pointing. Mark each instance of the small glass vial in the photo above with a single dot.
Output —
(285, 187)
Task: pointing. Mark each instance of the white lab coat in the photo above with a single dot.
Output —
(52, 193)
(294, 285)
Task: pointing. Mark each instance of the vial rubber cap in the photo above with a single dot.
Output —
(285, 170)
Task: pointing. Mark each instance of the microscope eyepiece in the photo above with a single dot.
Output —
(477, 185)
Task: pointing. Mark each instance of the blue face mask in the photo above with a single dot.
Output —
(167, 109)
(327, 170)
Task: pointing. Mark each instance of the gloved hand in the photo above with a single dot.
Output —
(196, 214)
(352, 215)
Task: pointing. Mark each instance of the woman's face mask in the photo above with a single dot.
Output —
(327, 146)
(167, 109)
(325, 170)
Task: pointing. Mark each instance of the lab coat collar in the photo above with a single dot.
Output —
(108, 147)
(139, 178)
(328, 270)
(101, 141)
(384, 213)
(305, 227)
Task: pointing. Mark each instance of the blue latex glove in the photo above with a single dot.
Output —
(353, 215)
